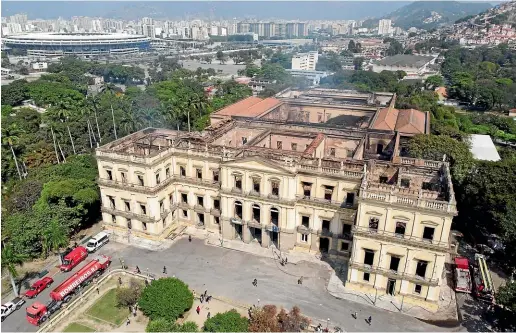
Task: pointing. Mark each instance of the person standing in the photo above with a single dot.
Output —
(198, 309)
(190, 238)
(369, 320)
(164, 270)
(128, 321)
(209, 315)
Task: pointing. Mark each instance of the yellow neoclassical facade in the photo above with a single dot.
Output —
(308, 171)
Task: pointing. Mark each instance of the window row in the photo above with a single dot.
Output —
(400, 229)
(394, 264)
(140, 179)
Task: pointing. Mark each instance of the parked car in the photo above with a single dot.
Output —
(38, 286)
(11, 306)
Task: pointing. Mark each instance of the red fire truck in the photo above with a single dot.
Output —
(73, 258)
(483, 288)
(462, 275)
(38, 312)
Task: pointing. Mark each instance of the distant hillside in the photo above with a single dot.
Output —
(430, 14)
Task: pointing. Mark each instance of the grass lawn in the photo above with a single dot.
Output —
(75, 327)
(106, 309)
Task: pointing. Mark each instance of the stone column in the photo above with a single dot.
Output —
(246, 233)
(314, 242)
(266, 238)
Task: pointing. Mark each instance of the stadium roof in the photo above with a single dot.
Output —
(73, 36)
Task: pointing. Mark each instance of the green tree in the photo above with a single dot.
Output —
(221, 57)
(55, 237)
(229, 321)
(10, 260)
(506, 296)
(434, 147)
(166, 298)
(14, 93)
(434, 81)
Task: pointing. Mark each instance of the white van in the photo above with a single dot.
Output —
(97, 241)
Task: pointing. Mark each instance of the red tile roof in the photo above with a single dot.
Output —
(410, 121)
(249, 107)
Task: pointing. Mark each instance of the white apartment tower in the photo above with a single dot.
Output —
(305, 61)
(384, 27)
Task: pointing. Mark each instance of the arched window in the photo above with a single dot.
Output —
(275, 216)
(256, 213)
(238, 209)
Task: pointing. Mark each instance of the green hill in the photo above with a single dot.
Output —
(430, 14)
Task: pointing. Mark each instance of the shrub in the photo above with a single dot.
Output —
(164, 325)
(230, 321)
(166, 298)
(129, 296)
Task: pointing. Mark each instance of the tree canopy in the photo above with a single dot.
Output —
(166, 298)
(229, 321)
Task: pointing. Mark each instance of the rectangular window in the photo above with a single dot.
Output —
(369, 257)
(319, 118)
(400, 229)
(129, 223)
(113, 218)
(307, 189)
(216, 219)
(428, 233)
(144, 226)
(395, 263)
(346, 228)
(350, 199)
(344, 246)
(111, 202)
(238, 182)
(326, 225)
(405, 183)
(198, 173)
(244, 140)
(127, 206)
(305, 221)
(185, 213)
(124, 177)
(304, 238)
(421, 268)
(140, 180)
(216, 175)
(275, 188)
(256, 185)
(429, 186)
(216, 203)
(332, 152)
(384, 179)
(184, 198)
(182, 171)
(417, 289)
(161, 207)
(109, 175)
(158, 178)
(373, 223)
(366, 276)
(171, 198)
(328, 192)
(167, 172)
(200, 201)
(293, 146)
(143, 209)
(279, 145)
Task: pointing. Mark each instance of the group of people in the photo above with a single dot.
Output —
(368, 320)
(204, 297)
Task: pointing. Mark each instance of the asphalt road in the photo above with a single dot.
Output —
(229, 274)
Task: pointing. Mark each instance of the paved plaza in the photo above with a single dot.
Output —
(228, 274)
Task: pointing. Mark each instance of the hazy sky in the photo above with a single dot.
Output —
(253, 9)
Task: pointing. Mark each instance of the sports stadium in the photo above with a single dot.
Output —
(80, 44)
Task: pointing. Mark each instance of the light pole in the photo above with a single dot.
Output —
(327, 324)
(258, 302)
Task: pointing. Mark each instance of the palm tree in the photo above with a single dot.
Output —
(110, 88)
(10, 137)
(95, 110)
(63, 115)
(128, 123)
(11, 259)
(54, 238)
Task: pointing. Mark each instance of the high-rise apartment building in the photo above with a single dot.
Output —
(305, 61)
(384, 27)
